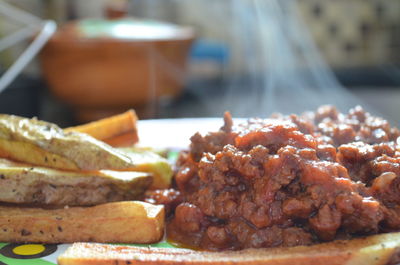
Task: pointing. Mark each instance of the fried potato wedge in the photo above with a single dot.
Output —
(122, 140)
(150, 162)
(117, 222)
(45, 144)
(21, 183)
(118, 130)
(373, 250)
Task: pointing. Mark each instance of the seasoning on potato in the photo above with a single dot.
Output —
(45, 144)
(116, 222)
(21, 183)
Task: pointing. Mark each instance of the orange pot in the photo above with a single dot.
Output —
(100, 67)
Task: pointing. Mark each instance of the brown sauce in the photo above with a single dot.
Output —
(287, 181)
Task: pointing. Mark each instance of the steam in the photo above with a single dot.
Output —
(281, 69)
(274, 65)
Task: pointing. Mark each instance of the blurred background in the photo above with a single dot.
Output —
(196, 58)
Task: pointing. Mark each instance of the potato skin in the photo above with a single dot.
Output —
(117, 222)
(45, 144)
(25, 184)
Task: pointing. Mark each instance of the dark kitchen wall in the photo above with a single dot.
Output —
(355, 33)
(360, 39)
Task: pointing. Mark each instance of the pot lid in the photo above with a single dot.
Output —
(130, 29)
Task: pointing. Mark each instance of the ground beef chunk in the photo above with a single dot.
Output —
(170, 198)
(288, 180)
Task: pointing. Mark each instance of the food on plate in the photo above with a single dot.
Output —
(117, 130)
(151, 162)
(288, 181)
(61, 186)
(21, 183)
(120, 131)
(45, 144)
(276, 191)
(374, 250)
(116, 222)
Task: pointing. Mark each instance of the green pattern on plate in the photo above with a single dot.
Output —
(157, 245)
(172, 156)
(10, 261)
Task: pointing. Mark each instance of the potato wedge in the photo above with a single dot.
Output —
(117, 222)
(45, 144)
(149, 161)
(374, 250)
(122, 140)
(21, 183)
(27, 152)
(118, 130)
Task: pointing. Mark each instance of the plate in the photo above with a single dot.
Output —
(173, 134)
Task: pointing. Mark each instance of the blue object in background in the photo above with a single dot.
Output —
(207, 50)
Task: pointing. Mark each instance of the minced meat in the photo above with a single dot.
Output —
(289, 180)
